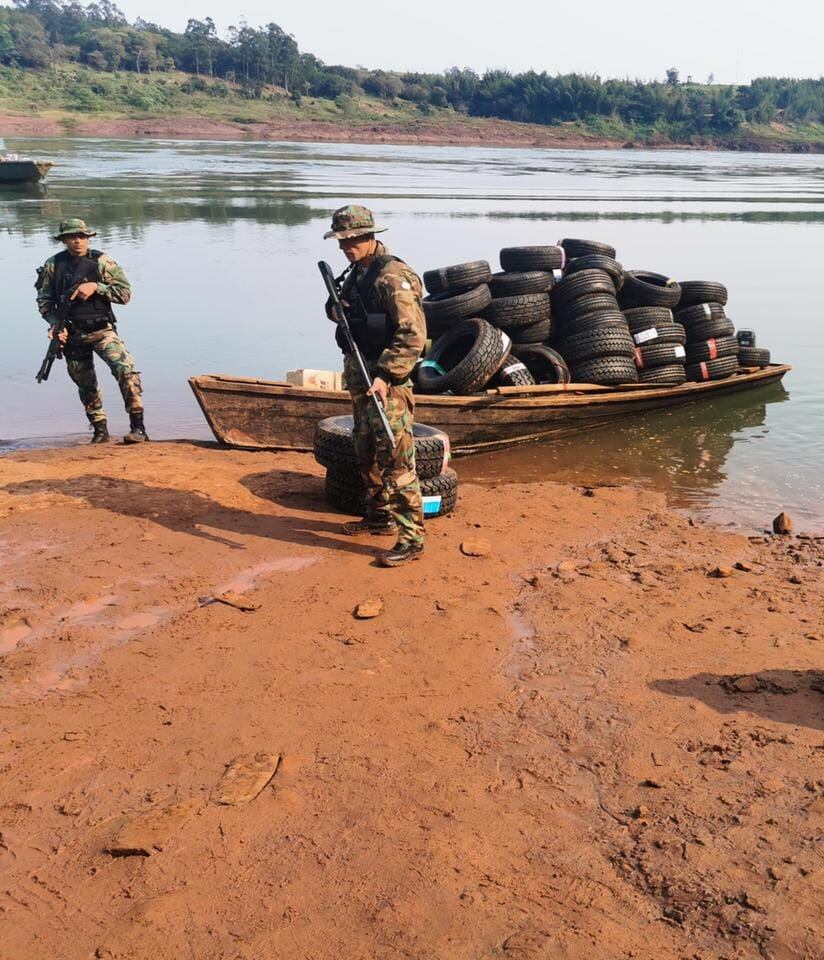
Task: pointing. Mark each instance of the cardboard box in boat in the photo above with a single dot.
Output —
(315, 379)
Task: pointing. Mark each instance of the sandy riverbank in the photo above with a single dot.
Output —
(578, 746)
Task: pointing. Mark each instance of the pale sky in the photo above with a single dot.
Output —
(733, 39)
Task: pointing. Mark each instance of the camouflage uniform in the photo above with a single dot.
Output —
(114, 287)
(392, 487)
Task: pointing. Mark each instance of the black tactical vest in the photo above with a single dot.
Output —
(371, 328)
(86, 316)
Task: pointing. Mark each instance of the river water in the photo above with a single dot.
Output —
(220, 241)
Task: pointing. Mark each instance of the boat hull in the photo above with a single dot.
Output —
(23, 171)
(269, 415)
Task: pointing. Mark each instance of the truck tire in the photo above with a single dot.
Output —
(641, 318)
(668, 376)
(515, 283)
(605, 370)
(702, 291)
(712, 349)
(595, 261)
(545, 364)
(464, 359)
(659, 355)
(664, 333)
(458, 278)
(518, 311)
(543, 258)
(712, 369)
(610, 340)
(533, 333)
(700, 313)
(584, 248)
(514, 373)
(642, 288)
(588, 304)
(334, 447)
(711, 329)
(753, 356)
(575, 285)
(443, 309)
(345, 491)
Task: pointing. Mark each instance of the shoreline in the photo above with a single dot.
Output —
(585, 724)
(483, 133)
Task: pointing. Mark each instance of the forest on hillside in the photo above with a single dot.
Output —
(266, 63)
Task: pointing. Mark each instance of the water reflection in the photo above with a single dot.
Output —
(683, 452)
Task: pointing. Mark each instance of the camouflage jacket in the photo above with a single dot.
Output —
(399, 292)
(112, 284)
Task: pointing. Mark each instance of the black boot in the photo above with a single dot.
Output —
(400, 553)
(101, 432)
(137, 433)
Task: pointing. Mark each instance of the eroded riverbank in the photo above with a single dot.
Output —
(581, 745)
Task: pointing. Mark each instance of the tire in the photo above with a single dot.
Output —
(576, 285)
(702, 291)
(641, 318)
(700, 313)
(595, 261)
(645, 289)
(545, 364)
(514, 373)
(592, 320)
(609, 340)
(345, 491)
(534, 333)
(712, 349)
(458, 278)
(665, 333)
(518, 259)
(659, 355)
(605, 370)
(516, 283)
(712, 329)
(669, 376)
(584, 248)
(518, 311)
(590, 303)
(464, 359)
(753, 356)
(712, 369)
(335, 447)
(443, 309)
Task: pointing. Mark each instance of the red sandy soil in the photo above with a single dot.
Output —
(498, 133)
(578, 747)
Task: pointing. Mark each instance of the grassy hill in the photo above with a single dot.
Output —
(79, 99)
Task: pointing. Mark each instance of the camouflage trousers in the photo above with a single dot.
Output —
(79, 353)
(392, 488)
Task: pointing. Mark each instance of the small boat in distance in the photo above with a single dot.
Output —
(270, 415)
(14, 169)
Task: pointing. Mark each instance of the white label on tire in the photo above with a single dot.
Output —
(507, 343)
(513, 367)
(707, 309)
(432, 506)
(558, 275)
(680, 351)
(646, 335)
(446, 452)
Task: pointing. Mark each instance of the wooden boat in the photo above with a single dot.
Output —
(23, 171)
(269, 415)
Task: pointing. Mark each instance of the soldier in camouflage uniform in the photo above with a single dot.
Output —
(383, 299)
(95, 282)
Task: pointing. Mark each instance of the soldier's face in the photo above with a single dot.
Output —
(356, 248)
(77, 245)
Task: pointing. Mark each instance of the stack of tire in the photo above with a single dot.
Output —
(521, 309)
(591, 333)
(712, 347)
(334, 448)
(660, 355)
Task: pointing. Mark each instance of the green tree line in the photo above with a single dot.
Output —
(41, 33)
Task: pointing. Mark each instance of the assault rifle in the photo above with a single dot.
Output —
(342, 321)
(64, 307)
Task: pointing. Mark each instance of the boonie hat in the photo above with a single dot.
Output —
(73, 226)
(352, 220)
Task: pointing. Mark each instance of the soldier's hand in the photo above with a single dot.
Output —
(63, 336)
(379, 389)
(84, 291)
